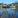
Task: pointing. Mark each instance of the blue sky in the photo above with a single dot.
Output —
(8, 1)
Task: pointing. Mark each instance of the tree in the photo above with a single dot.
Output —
(10, 4)
(0, 3)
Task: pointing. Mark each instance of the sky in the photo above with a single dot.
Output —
(8, 1)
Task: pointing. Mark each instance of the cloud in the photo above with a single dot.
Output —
(7, 1)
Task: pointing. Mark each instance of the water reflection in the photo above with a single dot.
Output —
(8, 12)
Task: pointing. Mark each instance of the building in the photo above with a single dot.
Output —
(0, 6)
(3, 6)
(13, 6)
(16, 5)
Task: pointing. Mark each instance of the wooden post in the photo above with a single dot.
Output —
(0, 16)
